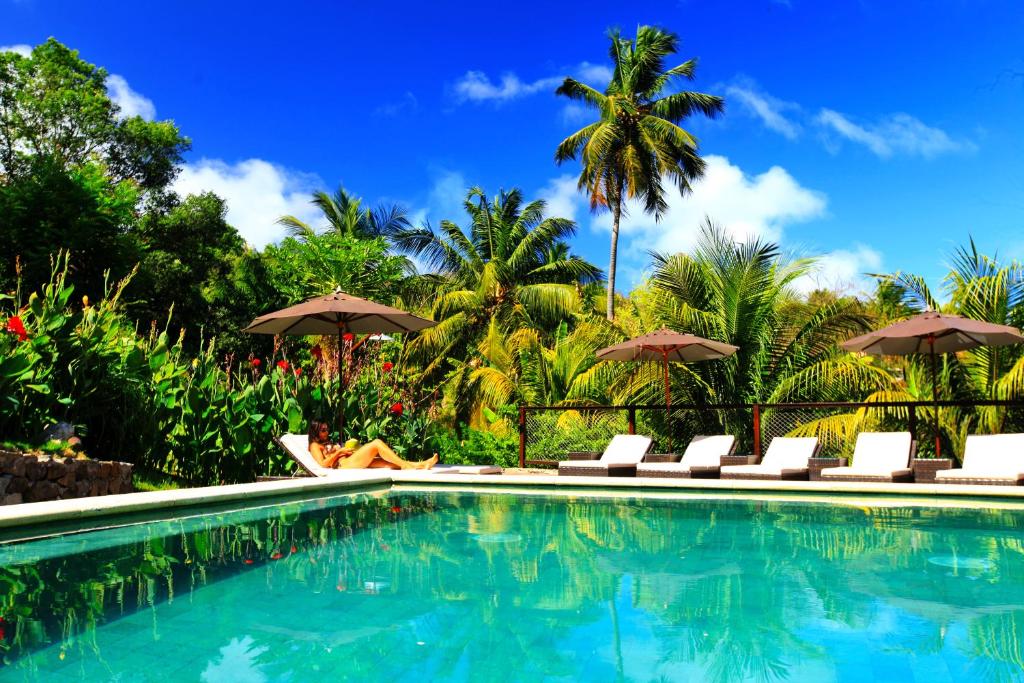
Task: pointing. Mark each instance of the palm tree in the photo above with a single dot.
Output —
(978, 287)
(637, 142)
(506, 272)
(742, 294)
(346, 215)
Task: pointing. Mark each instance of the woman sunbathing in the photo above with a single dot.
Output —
(371, 455)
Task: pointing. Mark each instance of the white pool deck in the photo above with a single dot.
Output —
(174, 502)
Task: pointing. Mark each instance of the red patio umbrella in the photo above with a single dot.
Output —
(337, 313)
(932, 332)
(667, 345)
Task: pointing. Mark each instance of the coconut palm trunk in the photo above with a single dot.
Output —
(616, 215)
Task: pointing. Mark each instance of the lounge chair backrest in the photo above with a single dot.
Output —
(708, 450)
(297, 446)
(790, 452)
(626, 448)
(882, 451)
(994, 454)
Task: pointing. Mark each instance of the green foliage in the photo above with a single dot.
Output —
(468, 446)
(318, 263)
(55, 106)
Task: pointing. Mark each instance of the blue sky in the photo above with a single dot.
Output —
(879, 134)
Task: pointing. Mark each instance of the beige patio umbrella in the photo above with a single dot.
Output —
(932, 332)
(667, 345)
(337, 313)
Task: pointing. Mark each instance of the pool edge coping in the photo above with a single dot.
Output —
(27, 514)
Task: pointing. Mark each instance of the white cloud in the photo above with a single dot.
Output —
(843, 270)
(476, 86)
(406, 104)
(20, 48)
(746, 206)
(575, 113)
(765, 107)
(894, 134)
(561, 197)
(130, 102)
(257, 194)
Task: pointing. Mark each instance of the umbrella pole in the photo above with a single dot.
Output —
(341, 388)
(668, 405)
(935, 400)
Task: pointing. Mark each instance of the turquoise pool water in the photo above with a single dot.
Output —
(454, 586)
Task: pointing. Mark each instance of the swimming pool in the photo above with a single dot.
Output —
(448, 585)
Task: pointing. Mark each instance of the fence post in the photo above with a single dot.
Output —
(522, 436)
(631, 417)
(912, 421)
(757, 430)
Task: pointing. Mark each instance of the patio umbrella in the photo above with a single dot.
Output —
(667, 345)
(337, 313)
(932, 332)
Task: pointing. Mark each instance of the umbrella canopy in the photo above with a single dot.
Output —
(667, 345)
(932, 332)
(337, 313)
(326, 315)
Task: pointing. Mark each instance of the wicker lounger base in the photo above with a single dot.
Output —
(884, 479)
(627, 471)
(980, 482)
(785, 475)
(692, 473)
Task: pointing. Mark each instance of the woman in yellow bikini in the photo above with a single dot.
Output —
(370, 455)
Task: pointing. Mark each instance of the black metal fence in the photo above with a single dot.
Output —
(547, 433)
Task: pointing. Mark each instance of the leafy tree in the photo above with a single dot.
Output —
(189, 256)
(78, 209)
(54, 105)
(318, 263)
(503, 273)
(637, 142)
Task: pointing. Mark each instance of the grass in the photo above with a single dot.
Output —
(154, 480)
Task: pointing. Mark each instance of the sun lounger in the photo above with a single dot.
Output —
(786, 458)
(702, 458)
(619, 459)
(992, 459)
(879, 457)
(297, 446)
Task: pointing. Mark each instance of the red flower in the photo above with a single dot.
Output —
(396, 409)
(298, 372)
(294, 549)
(16, 326)
(256, 362)
(387, 367)
(348, 337)
(283, 365)
(317, 352)
(396, 509)
(248, 560)
(276, 556)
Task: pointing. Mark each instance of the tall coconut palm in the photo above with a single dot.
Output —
(637, 142)
(504, 273)
(346, 215)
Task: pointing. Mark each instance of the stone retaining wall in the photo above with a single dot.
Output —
(31, 479)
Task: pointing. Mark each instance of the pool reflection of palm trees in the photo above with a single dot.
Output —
(732, 590)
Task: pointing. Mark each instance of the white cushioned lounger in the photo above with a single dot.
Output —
(989, 459)
(877, 456)
(786, 458)
(620, 458)
(297, 446)
(703, 455)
